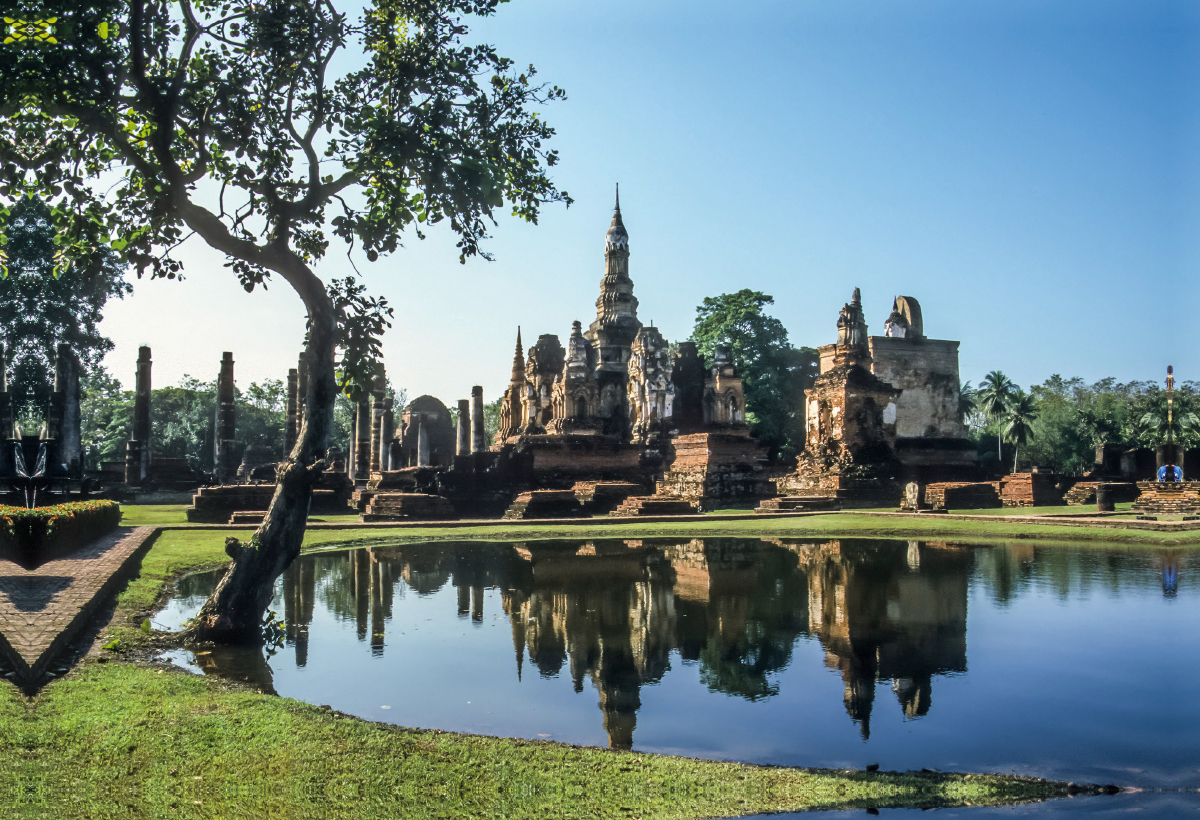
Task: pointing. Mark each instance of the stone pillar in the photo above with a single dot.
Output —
(463, 445)
(422, 445)
(478, 431)
(387, 431)
(301, 392)
(7, 462)
(378, 393)
(350, 448)
(66, 392)
(141, 419)
(362, 443)
(291, 429)
(225, 427)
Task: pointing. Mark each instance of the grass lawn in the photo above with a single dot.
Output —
(141, 515)
(120, 740)
(1063, 510)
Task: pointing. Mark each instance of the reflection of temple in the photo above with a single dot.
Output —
(612, 626)
(887, 613)
(613, 611)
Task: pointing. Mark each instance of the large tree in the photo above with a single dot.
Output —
(41, 308)
(775, 373)
(270, 129)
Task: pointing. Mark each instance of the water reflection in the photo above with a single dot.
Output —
(458, 636)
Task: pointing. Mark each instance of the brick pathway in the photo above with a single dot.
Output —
(40, 610)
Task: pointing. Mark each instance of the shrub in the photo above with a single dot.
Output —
(44, 532)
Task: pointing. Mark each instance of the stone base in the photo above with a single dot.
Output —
(546, 504)
(711, 468)
(963, 495)
(214, 505)
(563, 460)
(248, 517)
(798, 503)
(386, 506)
(1168, 498)
(653, 505)
(1084, 492)
(1031, 490)
(601, 497)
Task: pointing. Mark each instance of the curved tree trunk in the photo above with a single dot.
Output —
(234, 612)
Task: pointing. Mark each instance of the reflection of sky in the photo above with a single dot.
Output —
(1086, 673)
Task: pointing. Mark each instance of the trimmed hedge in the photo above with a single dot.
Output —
(44, 532)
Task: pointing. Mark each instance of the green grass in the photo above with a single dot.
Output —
(141, 515)
(848, 525)
(122, 740)
(1063, 510)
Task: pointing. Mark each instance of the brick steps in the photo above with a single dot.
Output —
(652, 505)
(1168, 498)
(601, 497)
(797, 503)
(386, 506)
(545, 504)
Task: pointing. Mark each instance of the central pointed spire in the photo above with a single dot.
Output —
(617, 238)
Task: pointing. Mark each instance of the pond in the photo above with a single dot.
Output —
(1074, 663)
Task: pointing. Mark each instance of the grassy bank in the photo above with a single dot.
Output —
(127, 741)
(848, 524)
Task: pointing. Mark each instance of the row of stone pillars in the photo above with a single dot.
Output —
(139, 455)
(373, 432)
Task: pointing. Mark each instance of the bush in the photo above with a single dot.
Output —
(39, 534)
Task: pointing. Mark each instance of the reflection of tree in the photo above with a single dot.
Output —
(1009, 571)
(241, 663)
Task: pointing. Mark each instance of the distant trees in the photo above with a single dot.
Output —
(181, 419)
(775, 374)
(1073, 417)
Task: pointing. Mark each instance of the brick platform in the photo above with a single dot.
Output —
(40, 611)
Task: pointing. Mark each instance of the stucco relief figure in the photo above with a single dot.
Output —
(650, 391)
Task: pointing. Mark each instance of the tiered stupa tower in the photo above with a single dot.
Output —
(616, 325)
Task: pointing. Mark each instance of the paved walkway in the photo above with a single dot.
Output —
(41, 610)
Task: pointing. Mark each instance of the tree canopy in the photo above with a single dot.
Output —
(775, 373)
(257, 127)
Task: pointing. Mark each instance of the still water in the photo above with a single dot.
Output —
(1061, 662)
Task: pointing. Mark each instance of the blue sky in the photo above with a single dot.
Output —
(1028, 171)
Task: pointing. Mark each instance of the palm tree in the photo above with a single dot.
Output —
(993, 397)
(967, 400)
(1018, 421)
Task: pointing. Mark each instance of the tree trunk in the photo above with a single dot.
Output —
(1016, 452)
(234, 612)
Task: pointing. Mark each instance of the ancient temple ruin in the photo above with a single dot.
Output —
(883, 411)
(615, 405)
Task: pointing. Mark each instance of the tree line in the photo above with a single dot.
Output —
(1058, 424)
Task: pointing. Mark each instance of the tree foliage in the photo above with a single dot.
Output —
(41, 308)
(775, 373)
(1073, 417)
